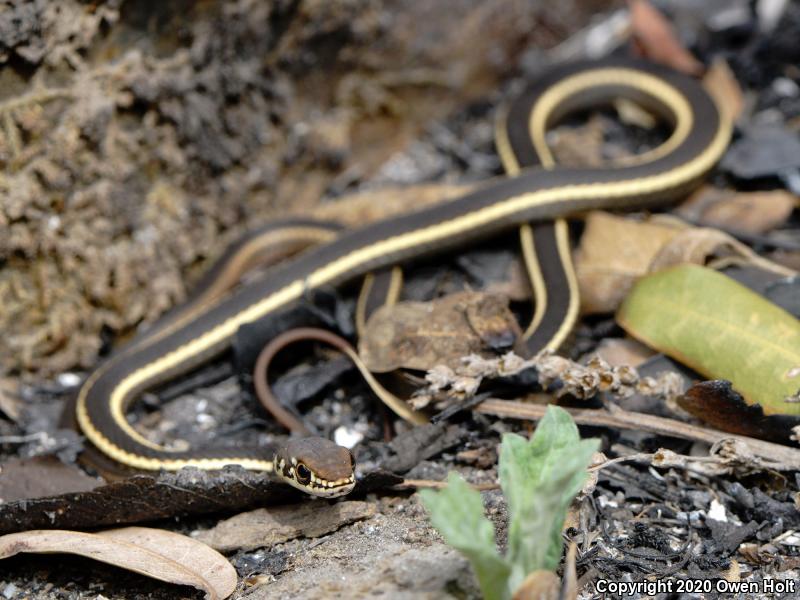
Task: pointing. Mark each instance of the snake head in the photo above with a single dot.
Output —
(316, 466)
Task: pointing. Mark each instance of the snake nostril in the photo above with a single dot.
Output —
(303, 474)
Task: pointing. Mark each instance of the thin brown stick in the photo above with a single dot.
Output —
(569, 582)
(784, 456)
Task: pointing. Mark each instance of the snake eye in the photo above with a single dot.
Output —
(303, 474)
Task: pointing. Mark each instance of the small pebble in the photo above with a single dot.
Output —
(783, 86)
(717, 512)
(9, 591)
(347, 437)
(68, 380)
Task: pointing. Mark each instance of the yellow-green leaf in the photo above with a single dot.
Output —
(722, 330)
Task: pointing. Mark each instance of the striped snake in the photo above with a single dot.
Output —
(534, 199)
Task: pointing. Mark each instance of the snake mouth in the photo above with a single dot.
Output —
(334, 491)
(324, 488)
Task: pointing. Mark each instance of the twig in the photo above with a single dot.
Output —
(569, 585)
(783, 457)
(643, 456)
(23, 439)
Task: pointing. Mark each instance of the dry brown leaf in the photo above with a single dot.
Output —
(159, 554)
(421, 335)
(193, 554)
(695, 246)
(615, 252)
(619, 352)
(698, 245)
(721, 83)
(747, 212)
(267, 527)
(656, 39)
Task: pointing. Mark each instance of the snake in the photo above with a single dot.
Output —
(535, 198)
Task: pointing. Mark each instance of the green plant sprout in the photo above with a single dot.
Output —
(539, 479)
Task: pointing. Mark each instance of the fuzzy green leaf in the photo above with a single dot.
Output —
(721, 329)
(457, 512)
(540, 478)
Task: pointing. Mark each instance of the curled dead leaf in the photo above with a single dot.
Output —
(421, 335)
(615, 252)
(714, 248)
(156, 553)
(696, 246)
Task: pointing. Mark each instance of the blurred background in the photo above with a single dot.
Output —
(138, 137)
